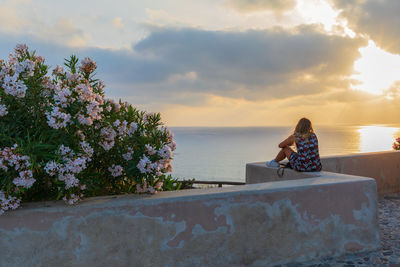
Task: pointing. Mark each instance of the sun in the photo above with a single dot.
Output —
(376, 70)
(377, 137)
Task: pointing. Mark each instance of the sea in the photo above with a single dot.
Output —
(221, 153)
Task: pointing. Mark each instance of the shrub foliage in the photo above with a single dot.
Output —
(60, 138)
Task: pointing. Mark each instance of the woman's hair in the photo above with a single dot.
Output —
(304, 128)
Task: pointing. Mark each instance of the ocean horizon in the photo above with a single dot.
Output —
(221, 153)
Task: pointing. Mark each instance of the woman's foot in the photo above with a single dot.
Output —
(272, 164)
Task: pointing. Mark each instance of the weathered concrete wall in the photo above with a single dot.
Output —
(251, 225)
(384, 167)
(258, 172)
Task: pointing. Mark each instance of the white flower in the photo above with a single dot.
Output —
(3, 110)
(70, 180)
(84, 120)
(58, 119)
(122, 128)
(26, 66)
(61, 97)
(116, 170)
(13, 86)
(65, 150)
(165, 152)
(72, 200)
(51, 168)
(142, 165)
(132, 128)
(108, 135)
(25, 179)
(87, 149)
(128, 156)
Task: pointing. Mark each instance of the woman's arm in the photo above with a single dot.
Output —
(288, 141)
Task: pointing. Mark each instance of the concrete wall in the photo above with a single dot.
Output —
(258, 172)
(250, 225)
(384, 167)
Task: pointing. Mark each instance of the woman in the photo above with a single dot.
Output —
(307, 156)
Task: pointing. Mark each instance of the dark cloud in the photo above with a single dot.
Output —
(378, 19)
(254, 64)
(182, 66)
(261, 5)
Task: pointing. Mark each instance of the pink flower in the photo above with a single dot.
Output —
(151, 190)
(140, 189)
(150, 150)
(73, 77)
(158, 185)
(58, 70)
(21, 49)
(88, 65)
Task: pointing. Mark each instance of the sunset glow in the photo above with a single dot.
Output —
(227, 62)
(377, 69)
(377, 138)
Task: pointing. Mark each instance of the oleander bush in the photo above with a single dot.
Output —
(60, 138)
(396, 144)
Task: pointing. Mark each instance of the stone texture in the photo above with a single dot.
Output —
(258, 172)
(251, 225)
(389, 252)
(384, 167)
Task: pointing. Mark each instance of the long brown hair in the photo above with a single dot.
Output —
(304, 128)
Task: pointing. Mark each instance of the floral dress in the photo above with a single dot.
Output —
(307, 156)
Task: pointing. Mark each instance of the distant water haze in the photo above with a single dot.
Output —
(220, 154)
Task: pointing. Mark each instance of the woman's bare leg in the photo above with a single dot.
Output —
(284, 153)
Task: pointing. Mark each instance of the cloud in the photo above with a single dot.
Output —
(9, 20)
(252, 64)
(198, 77)
(65, 32)
(14, 21)
(261, 5)
(378, 19)
(117, 23)
(179, 65)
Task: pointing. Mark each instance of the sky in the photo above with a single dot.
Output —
(227, 62)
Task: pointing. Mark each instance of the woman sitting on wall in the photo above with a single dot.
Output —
(307, 156)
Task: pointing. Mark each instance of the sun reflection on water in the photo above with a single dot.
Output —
(377, 138)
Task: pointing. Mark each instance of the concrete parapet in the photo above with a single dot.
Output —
(251, 225)
(258, 172)
(384, 167)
